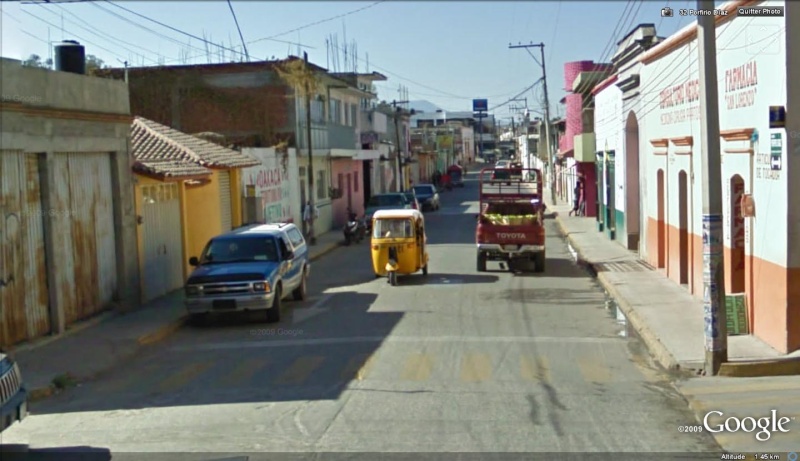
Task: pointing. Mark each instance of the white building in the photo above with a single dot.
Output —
(761, 251)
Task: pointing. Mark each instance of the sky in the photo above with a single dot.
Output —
(447, 53)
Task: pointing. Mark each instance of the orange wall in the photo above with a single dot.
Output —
(775, 293)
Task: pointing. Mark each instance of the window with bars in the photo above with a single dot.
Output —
(335, 111)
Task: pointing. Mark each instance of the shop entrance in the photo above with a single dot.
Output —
(683, 227)
(737, 266)
(632, 211)
(661, 223)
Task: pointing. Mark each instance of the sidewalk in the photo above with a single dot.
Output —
(666, 316)
(90, 349)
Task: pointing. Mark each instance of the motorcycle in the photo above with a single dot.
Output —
(355, 230)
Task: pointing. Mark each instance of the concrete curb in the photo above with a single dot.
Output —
(657, 349)
(163, 332)
(325, 251)
(751, 369)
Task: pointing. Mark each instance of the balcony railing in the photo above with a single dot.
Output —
(342, 137)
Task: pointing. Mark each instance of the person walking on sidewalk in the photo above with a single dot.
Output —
(578, 198)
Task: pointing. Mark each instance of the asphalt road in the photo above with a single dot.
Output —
(456, 361)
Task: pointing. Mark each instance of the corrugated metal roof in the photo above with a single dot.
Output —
(158, 145)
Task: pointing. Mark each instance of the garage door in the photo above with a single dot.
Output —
(162, 260)
(225, 200)
(23, 279)
(85, 243)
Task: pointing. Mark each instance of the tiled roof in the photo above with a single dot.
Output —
(157, 145)
(170, 168)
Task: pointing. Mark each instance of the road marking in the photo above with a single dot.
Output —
(183, 377)
(535, 368)
(243, 373)
(418, 367)
(384, 340)
(300, 370)
(358, 367)
(476, 368)
(594, 369)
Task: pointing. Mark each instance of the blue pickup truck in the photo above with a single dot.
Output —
(13, 396)
(252, 268)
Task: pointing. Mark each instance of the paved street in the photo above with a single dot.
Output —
(456, 361)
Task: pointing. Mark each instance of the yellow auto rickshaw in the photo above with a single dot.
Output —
(399, 243)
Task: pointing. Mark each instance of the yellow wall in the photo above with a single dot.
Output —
(236, 197)
(203, 221)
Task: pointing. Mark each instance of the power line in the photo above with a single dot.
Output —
(271, 37)
(244, 45)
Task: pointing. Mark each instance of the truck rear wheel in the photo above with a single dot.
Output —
(481, 262)
(539, 261)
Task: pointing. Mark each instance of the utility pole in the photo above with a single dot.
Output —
(311, 207)
(397, 111)
(716, 331)
(550, 155)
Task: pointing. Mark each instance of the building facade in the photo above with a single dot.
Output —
(756, 180)
(69, 228)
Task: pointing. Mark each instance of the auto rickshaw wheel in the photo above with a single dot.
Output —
(393, 278)
(425, 270)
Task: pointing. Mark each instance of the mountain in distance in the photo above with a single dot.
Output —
(423, 106)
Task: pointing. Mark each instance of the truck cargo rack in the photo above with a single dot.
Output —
(521, 184)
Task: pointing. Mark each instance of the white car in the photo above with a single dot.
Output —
(503, 164)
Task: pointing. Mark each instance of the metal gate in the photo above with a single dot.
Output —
(85, 241)
(162, 263)
(24, 299)
(225, 199)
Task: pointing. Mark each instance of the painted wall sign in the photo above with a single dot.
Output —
(673, 101)
(740, 85)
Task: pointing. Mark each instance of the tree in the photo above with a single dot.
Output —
(35, 60)
(93, 63)
(303, 79)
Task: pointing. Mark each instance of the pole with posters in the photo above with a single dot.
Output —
(716, 329)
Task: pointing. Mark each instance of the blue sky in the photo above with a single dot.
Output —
(445, 52)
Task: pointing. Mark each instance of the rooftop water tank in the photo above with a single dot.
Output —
(71, 57)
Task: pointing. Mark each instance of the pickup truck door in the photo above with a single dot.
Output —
(290, 269)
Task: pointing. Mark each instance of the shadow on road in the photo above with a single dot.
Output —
(275, 363)
(24, 453)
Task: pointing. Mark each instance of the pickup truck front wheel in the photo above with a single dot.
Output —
(481, 262)
(274, 312)
(539, 261)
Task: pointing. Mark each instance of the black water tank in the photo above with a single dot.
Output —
(71, 57)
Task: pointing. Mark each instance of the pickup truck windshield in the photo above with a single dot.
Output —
(386, 200)
(242, 249)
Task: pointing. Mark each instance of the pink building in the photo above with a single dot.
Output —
(348, 180)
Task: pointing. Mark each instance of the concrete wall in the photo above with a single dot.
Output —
(750, 54)
(322, 167)
(45, 112)
(609, 133)
(352, 198)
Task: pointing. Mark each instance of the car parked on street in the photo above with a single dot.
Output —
(427, 196)
(390, 201)
(13, 395)
(411, 196)
(252, 268)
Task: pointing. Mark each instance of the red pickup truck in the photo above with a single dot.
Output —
(511, 220)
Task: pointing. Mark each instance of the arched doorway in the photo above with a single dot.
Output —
(661, 259)
(683, 227)
(737, 259)
(632, 211)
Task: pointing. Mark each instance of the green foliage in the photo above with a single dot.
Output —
(298, 75)
(35, 60)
